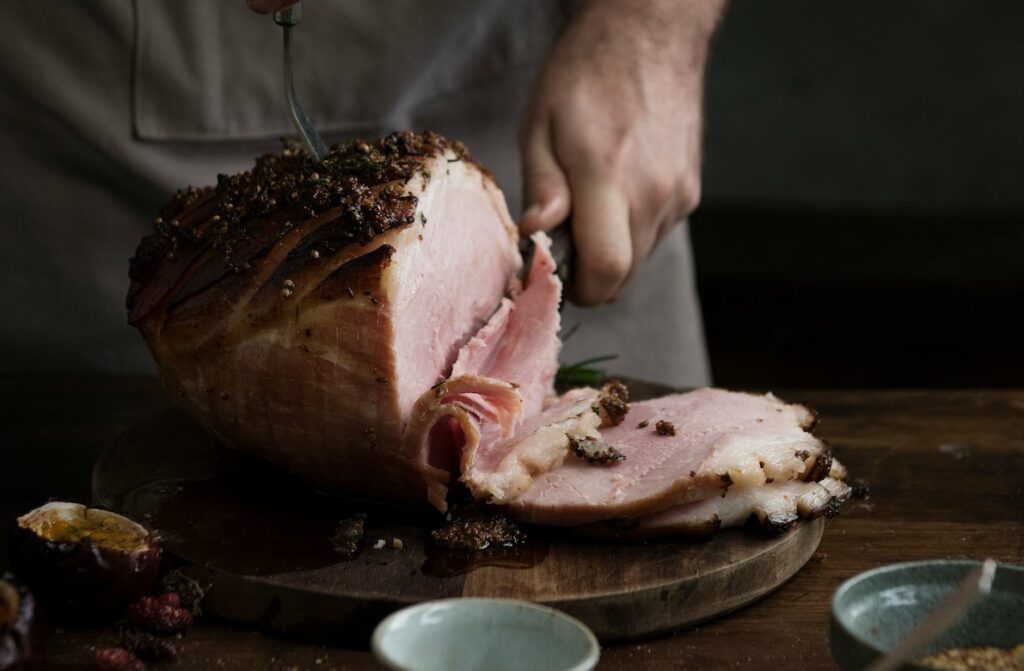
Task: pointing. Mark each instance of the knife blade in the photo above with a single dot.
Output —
(563, 251)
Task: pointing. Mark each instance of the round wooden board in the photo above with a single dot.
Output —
(260, 538)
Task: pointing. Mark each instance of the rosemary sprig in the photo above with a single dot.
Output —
(582, 373)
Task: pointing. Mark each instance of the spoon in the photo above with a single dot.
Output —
(973, 587)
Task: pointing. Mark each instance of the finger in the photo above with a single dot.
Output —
(600, 230)
(268, 6)
(546, 199)
(648, 226)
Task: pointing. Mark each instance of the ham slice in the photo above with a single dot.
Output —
(775, 506)
(509, 365)
(721, 439)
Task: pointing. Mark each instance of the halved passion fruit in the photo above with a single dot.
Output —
(84, 564)
(21, 640)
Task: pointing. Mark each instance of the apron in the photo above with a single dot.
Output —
(110, 106)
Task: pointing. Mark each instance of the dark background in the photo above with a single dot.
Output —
(864, 195)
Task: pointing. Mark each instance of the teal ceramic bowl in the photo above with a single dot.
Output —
(494, 634)
(874, 611)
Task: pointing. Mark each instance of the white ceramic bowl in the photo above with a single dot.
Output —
(495, 634)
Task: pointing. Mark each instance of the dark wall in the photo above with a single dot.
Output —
(863, 219)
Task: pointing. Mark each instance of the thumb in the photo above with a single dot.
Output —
(545, 187)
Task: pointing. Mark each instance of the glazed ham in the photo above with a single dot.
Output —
(300, 310)
(361, 321)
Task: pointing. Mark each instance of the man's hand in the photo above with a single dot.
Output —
(612, 136)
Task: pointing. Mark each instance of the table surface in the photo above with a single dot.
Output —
(945, 469)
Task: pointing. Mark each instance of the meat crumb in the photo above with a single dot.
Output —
(349, 534)
(475, 530)
(861, 488)
(379, 545)
(594, 450)
(665, 428)
(643, 425)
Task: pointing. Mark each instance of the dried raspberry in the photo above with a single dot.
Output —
(170, 599)
(160, 614)
(190, 590)
(147, 646)
(116, 659)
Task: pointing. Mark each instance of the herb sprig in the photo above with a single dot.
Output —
(582, 373)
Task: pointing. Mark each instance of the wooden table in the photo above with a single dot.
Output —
(945, 468)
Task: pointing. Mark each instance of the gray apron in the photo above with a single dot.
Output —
(109, 106)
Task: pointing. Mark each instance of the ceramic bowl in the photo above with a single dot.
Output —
(875, 610)
(496, 634)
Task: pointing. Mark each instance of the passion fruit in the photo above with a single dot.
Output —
(21, 639)
(84, 564)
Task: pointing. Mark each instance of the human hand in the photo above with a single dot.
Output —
(612, 135)
(269, 6)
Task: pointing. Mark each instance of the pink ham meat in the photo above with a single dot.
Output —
(722, 439)
(300, 310)
(495, 420)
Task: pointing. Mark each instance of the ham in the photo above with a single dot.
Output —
(721, 439)
(361, 321)
(300, 310)
(775, 506)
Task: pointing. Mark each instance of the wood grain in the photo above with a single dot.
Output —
(946, 471)
(269, 560)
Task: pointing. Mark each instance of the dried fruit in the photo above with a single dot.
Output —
(21, 639)
(115, 659)
(84, 564)
(160, 614)
(190, 590)
(147, 646)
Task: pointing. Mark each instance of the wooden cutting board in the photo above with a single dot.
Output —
(261, 539)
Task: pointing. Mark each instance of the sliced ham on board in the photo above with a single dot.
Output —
(361, 321)
(711, 439)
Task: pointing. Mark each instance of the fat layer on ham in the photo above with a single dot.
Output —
(775, 506)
